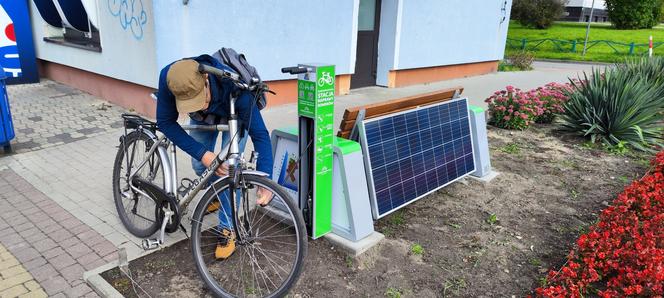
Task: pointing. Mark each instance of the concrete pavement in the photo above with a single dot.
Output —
(56, 197)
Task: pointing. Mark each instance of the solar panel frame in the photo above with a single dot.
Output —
(421, 165)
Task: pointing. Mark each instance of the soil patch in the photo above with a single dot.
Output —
(469, 239)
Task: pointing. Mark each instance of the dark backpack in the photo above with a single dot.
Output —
(239, 63)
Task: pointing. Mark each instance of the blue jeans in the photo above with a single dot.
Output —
(209, 139)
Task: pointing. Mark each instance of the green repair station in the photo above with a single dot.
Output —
(342, 186)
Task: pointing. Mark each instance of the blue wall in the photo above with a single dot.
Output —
(428, 33)
(272, 33)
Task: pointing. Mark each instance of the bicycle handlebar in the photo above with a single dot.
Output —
(202, 68)
(294, 70)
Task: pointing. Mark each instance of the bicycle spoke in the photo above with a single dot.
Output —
(268, 249)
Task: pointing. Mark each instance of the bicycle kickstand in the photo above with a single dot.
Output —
(149, 244)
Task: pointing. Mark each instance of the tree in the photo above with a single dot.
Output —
(630, 14)
(538, 14)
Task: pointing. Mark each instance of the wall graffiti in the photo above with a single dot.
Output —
(132, 15)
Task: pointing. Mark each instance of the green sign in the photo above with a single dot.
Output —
(316, 101)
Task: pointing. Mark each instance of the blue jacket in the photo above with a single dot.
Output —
(167, 115)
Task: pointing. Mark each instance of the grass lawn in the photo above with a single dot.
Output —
(577, 31)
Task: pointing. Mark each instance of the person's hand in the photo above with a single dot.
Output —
(264, 196)
(207, 159)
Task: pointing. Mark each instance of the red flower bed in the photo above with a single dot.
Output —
(623, 254)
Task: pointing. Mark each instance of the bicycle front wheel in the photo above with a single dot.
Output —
(269, 252)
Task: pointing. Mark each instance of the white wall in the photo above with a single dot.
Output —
(128, 51)
(426, 33)
(272, 33)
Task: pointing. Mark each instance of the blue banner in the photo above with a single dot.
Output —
(17, 50)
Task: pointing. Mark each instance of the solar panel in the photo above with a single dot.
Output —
(413, 153)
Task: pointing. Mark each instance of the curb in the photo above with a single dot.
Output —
(574, 62)
(99, 284)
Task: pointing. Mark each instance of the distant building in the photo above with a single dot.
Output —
(579, 11)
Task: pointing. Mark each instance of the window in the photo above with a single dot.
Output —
(71, 23)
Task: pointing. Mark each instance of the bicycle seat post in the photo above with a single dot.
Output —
(234, 148)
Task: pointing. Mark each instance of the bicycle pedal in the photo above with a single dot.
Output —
(150, 244)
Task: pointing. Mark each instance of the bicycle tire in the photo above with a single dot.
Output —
(150, 228)
(298, 225)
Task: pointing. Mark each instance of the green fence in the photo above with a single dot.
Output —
(574, 46)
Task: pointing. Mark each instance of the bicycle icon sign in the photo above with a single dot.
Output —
(325, 79)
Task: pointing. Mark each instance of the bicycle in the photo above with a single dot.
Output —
(270, 240)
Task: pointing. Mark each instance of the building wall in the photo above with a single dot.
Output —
(599, 4)
(272, 33)
(128, 48)
(459, 32)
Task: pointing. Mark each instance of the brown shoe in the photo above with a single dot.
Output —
(225, 245)
(214, 206)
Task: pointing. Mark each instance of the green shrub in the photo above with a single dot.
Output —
(630, 14)
(616, 106)
(538, 14)
(522, 60)
(649, 69)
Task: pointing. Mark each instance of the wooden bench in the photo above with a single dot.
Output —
(348, 129)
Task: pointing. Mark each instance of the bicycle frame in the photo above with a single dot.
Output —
(161, 143)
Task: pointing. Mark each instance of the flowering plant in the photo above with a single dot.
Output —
(516, 109)
(512, 109)
(623, 254)
(550, 98)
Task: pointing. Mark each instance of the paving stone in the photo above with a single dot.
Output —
(70, 223)
(13, 291)
(79, 229)
(78, 291)
(35, 263)
(44, 245)
(62, 261)
(54, 285)
(69, 243)
(23, 227)
(8, 240)
(14, 280)
(29, 232)
(32, 285)
(88, 259)
(27, 254)
(92, 295)
(73, 272)
(11, 271)
(104, 248)
(94, 264)
(52, 253)
(78, 250)
(34, 294)
(7, 231)
(60, 235)
(43, 272)
(7, 263)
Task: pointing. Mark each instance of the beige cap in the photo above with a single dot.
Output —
(188, 86)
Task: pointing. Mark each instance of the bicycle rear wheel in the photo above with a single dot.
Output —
(138, 213)
(271, 248)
